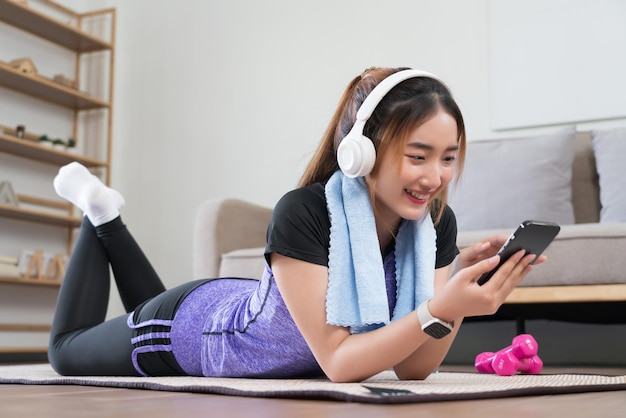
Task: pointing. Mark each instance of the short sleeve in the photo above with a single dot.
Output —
(300, 226)
(446, 238)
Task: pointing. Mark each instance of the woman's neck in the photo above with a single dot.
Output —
(386, 234)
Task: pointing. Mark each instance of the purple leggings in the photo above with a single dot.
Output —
(81, 341)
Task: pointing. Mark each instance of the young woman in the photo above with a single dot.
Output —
(358, 276)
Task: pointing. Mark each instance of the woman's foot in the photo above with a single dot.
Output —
(99, 203)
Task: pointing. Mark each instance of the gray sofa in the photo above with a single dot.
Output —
(584, 279)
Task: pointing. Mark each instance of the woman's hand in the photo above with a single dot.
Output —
(482, 250)
(479, 251)
(462, 296)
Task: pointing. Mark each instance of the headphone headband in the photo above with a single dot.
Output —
(378, 93)
(356, 154)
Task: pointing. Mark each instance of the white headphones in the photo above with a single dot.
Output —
(356, 154)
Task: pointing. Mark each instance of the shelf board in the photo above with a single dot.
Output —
(24, 214)
(39, 24)
(48, 90)
(29, 282)
(25, 327)
(23, 350)
(29, 149)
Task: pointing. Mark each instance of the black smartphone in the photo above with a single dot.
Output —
(531, 236)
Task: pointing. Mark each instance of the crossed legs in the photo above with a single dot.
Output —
(81, 341)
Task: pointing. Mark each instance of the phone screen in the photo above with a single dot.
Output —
(531, 236)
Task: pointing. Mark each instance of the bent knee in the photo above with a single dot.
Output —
(60, 357)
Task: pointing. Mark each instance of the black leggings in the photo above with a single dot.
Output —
(81, 341)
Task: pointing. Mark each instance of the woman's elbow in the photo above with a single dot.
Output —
(342, 376)
(414, 374)
(344, 373)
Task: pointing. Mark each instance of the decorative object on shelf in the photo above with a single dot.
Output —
(31, 264)
(44, 140)
(7, 194)
(71, 145)
(9, 266)
(39, 265)
(55, 267)
(20, 131)
(24, 65)
(57, 142)
(64, 81)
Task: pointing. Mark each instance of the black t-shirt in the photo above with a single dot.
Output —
(300, 228)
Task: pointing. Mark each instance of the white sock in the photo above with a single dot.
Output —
(99, 203)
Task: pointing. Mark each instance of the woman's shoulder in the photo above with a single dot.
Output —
(300, 226)
(303, 208)
(308, 198)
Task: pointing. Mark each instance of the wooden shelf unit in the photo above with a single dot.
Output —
(43, 20)
(33, 21)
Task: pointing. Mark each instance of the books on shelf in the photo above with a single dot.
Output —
(9, 266)
(9, 259)
(9, 270)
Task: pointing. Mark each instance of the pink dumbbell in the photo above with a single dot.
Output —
(520, 356)
(508, 365)
(531, 365)
(483, 362)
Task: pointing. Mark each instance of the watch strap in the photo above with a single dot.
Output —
(432, 326)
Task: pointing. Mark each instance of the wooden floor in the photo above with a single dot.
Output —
(78, 401)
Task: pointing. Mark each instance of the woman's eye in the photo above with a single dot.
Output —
(416, 157)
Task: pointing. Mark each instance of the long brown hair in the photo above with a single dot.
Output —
(402, 110)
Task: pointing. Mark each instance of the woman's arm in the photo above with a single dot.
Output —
(344, 357)
(427, 358)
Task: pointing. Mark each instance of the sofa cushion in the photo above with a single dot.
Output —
(585, 189)
(248, 263)
(506, 181)
(581, 254)
(609, 146)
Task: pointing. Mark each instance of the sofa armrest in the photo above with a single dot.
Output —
(222, 226)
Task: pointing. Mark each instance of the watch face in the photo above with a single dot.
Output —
(437, 330)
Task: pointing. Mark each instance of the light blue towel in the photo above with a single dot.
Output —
(356, 295)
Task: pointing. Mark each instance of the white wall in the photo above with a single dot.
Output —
(229, 98)
(570, 42)
(218, 98)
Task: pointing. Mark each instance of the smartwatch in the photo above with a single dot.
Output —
(432, 326)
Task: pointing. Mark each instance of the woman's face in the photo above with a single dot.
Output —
(427, 166)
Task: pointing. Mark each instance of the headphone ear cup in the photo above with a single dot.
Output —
(356, 155)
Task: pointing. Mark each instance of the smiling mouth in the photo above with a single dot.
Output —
(417, 196)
